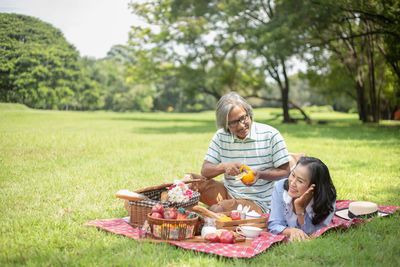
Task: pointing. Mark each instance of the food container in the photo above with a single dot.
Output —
(208, 227)
(253, 215)
(232, 225)
(140, 209)
(172, 229)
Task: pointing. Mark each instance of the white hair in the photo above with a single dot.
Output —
(225, 105)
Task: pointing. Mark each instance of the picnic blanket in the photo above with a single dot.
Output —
(258, 245)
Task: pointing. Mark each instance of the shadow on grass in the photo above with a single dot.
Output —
(165, 119)
(162, 125)
(341, 129)
(200, 128)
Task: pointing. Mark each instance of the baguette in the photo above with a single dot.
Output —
(128, 195)
(206, 212)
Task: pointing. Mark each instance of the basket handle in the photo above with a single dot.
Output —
(151, 188)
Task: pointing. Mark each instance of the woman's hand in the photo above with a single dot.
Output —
(301, 202)
(295, 234)
(232, 168)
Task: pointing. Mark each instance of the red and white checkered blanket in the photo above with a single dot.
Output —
(258, 245)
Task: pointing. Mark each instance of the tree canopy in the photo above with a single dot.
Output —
(353, 41)
(227, 45)
(192, 52)
(39, 68)
(234, 42)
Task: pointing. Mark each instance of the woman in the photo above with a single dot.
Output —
(303, 203)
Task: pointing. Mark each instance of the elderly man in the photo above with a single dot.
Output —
(241, 141)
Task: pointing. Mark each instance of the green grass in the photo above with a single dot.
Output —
(59, 170)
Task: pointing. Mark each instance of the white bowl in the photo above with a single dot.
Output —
(252, 215)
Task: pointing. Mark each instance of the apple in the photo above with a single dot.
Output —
(158, 208)
(156, 215)
(170, 213)
(212, 237)
(181, 216)
(227, 237)
(236, 215)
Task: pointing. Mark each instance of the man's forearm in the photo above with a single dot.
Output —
(276, 174)
(210, 170)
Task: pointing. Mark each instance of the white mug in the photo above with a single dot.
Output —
(248, 231)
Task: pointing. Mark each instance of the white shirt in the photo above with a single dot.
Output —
(263, 149)
(282, 215)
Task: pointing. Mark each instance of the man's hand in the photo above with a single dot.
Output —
(301, 202)
(256, 177)
(232, 168)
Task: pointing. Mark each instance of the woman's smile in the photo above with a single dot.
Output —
(292, 190)
(299, 181)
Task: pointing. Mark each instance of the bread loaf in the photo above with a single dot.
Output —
(206, 212)
(128, 195)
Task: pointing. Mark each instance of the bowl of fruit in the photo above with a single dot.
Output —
(172, 223)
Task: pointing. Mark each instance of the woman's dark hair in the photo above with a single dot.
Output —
(324, 192)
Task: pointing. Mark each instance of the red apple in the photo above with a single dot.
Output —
(158, 208)
(170, 213)
(181, 216)
(235, 215)
(227, 237)
(156, 215)
(212, 237)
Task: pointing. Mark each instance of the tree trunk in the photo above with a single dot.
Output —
(306, 118)
(285, 105)
(285, 94)
(361, 105)
(372, 84)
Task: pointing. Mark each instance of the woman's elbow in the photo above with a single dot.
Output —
(275, 229)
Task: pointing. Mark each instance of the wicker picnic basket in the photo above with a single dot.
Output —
(172, 229)
(140, 209)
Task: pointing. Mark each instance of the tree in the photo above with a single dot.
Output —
(39, 68)
(385, 16)
(110, 74)
(351, 33)
(217, 46)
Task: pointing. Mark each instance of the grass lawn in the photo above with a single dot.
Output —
(59, 170)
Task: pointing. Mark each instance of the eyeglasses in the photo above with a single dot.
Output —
(235, 123)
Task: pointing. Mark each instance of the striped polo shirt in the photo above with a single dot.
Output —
(263, 149)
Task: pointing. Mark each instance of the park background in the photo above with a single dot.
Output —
(76, 129)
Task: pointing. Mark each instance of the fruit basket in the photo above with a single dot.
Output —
(140, 209)
(172, 229)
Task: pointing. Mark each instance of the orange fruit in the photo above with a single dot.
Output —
(249, 176)
(225, 219)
